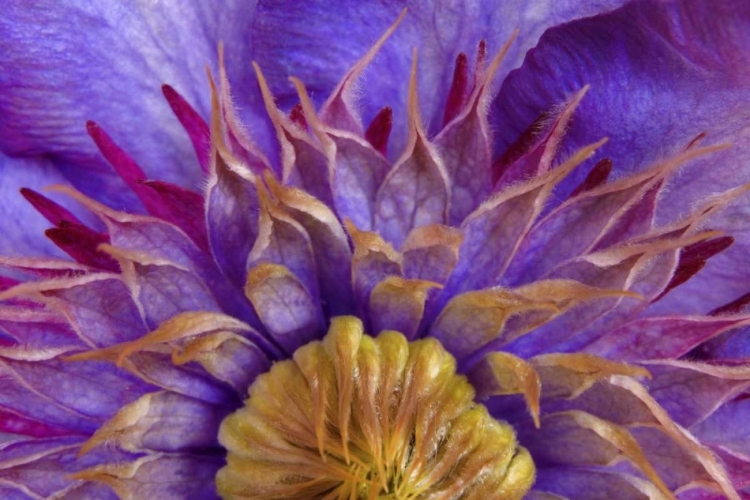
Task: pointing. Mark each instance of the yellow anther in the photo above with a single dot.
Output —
(353, 416)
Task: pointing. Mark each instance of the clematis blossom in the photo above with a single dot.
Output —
(476, 250)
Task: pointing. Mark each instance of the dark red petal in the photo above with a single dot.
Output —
(737, 306)
(192, 122)
(185, 209)
(481, 54)
(704, 250)
(520, 147)
(48, 208)
(125, 166)
(693, 258)
(81, 242)
(6, 283)
(457, 92)
(297, 115)
(129, 170)
(696, 140)
(598, 176)
(380, 129)
(13, 423)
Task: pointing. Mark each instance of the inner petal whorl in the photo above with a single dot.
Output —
(354, 416)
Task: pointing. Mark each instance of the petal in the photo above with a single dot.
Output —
(288, 311)
(58, 72)
(374, 260)
(164, 242)
(660, 338)
(76, 395)
(416, 191)
(22, 227)
(586, 484)
(688, 62)
(157, 421)
(431, 26)
(100, 308)
(330, 245)
(727, 428)
(43, 469)
(691, 392)
(159, 476)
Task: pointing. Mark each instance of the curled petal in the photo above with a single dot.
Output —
(397, 304)
(156, 421)
(285, 306)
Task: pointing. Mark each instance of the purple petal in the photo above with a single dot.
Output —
(232, 220)
(727, 427)
(58, 72)
(587, 484)
(157, 422)
(283, 241)
(285, 306)
(187, 380)
(431, 26)
(44, 467)
(76, 395)
(164, 291)
(373, 261)
(689, 62)
(690, 392)
(35, 330)
(22, 227)
(100, 308)
(660, 338)
(333, 256)
(168, 476)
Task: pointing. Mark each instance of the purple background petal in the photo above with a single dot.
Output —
(660, 74)
(440, 29)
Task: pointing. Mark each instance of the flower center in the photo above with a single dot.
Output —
(354, 416)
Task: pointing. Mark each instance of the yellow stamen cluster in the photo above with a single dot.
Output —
(356, 417)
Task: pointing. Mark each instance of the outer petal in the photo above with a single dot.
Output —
(440, 29)
(660, 74)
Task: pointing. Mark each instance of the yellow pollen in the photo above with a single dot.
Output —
(356, 417)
